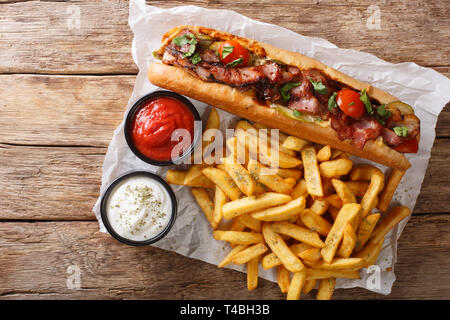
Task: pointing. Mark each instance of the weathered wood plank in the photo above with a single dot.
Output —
(94, 37)
(63, 183)
(112, 270)
(76, 110)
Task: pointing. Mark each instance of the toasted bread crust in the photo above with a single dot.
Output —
(244, 105)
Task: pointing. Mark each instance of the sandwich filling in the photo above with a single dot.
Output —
(305, 95)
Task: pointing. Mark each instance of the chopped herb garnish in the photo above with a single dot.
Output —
(365, 99)
(401, 131)
(379, 119)
(226, 50)
(332, 101)
(181, 41)
(285, 90)
(318, 86)
(382, 112)
(186, 39)
(196, 58)
(297, 113)
(235, 62)
(351, 103)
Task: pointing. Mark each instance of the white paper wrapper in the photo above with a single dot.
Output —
(424, 89)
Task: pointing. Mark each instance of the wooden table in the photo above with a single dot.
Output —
(64, 86)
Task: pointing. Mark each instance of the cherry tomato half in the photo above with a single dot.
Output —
(349, 102)
(237, 51)
(409, 146)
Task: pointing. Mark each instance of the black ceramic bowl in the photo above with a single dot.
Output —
(140, 103)
(104, 215)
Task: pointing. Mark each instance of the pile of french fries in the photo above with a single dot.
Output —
(310, 217)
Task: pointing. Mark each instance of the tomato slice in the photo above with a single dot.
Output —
(409, 146)
(349, 102)
(232, 50)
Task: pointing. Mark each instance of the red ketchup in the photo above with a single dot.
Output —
(154, 123)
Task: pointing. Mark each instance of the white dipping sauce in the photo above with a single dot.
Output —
(139, 208)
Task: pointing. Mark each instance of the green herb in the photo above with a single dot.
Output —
(226, 50)
(382, 112)
(318, 86)
(186, 39)
(365, 99)
(351, 103)
(196, 58)
(285, 90)
(235, 62)
(332, 101)
(401, 131)
(379, 119)
(297, 113)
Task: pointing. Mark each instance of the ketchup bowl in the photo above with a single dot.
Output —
(151, 123)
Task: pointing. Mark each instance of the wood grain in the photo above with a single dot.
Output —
(101, 42)
(35, 258)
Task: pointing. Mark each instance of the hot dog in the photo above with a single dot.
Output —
(288, 91)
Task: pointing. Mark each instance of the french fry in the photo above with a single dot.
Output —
(291, 181)
(288, 173)
(339, 264)
(228, 258)
(282, 136)
(315, 222)
(348, 242)
(389, 190)
(326, 289)
(271, 260)
(178, 177)
(327, 186)
(335, 168)
(365, 229)
(312, 254)
(347, 213)
(282, 251)
(299, 190)
(319, 206)
(324, 154)
(370, 197)
(296, 285)
(252, 273)
(294, 143)
(254, 203)
(299, 233)
(394, 216)
(220, 198)
(334, 200)
(363, 172)
(224, 181)
(370, 252)
(309, 285)
(249, 253)
(316, 274)
(240, 176)
(333, 211)
(359, 188)
(238, 237)
(236, 226)
(281, 212)
(250, 222)
(213, 122)
(283, 278)
(238, 151)
(343, 191)
(266, 177)
(311, 172)
(205, 203)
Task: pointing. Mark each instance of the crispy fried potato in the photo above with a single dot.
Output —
(359, 188)
(281, 212)
(205, 203)
(224, 181)
(283, 278)
(299, 190)
(228, 258)
(370, 252)
(311, 255)
(250, 222)
(347, 213)
(265, 176)
(315, 222)
(252, 273)
(238, 237)
(317, 274)
(294, 143)
(335, 168)
(298, 233)
(343, 191)
(240, 176)
(309, 285)
(271, 260)
(220, 198)
(319, 206)
(339, 264)
(326, 289)
(334, 200)
(348, 242)
(389, 190)
(324, 154)
(249, 253)
(296, 285)
(365, 229)
(312, 174)
(280, 248)
(394, 216)
(254, 203)
(238, 151)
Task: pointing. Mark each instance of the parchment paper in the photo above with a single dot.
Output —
(424, 89)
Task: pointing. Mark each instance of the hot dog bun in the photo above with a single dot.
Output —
(244, 105)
